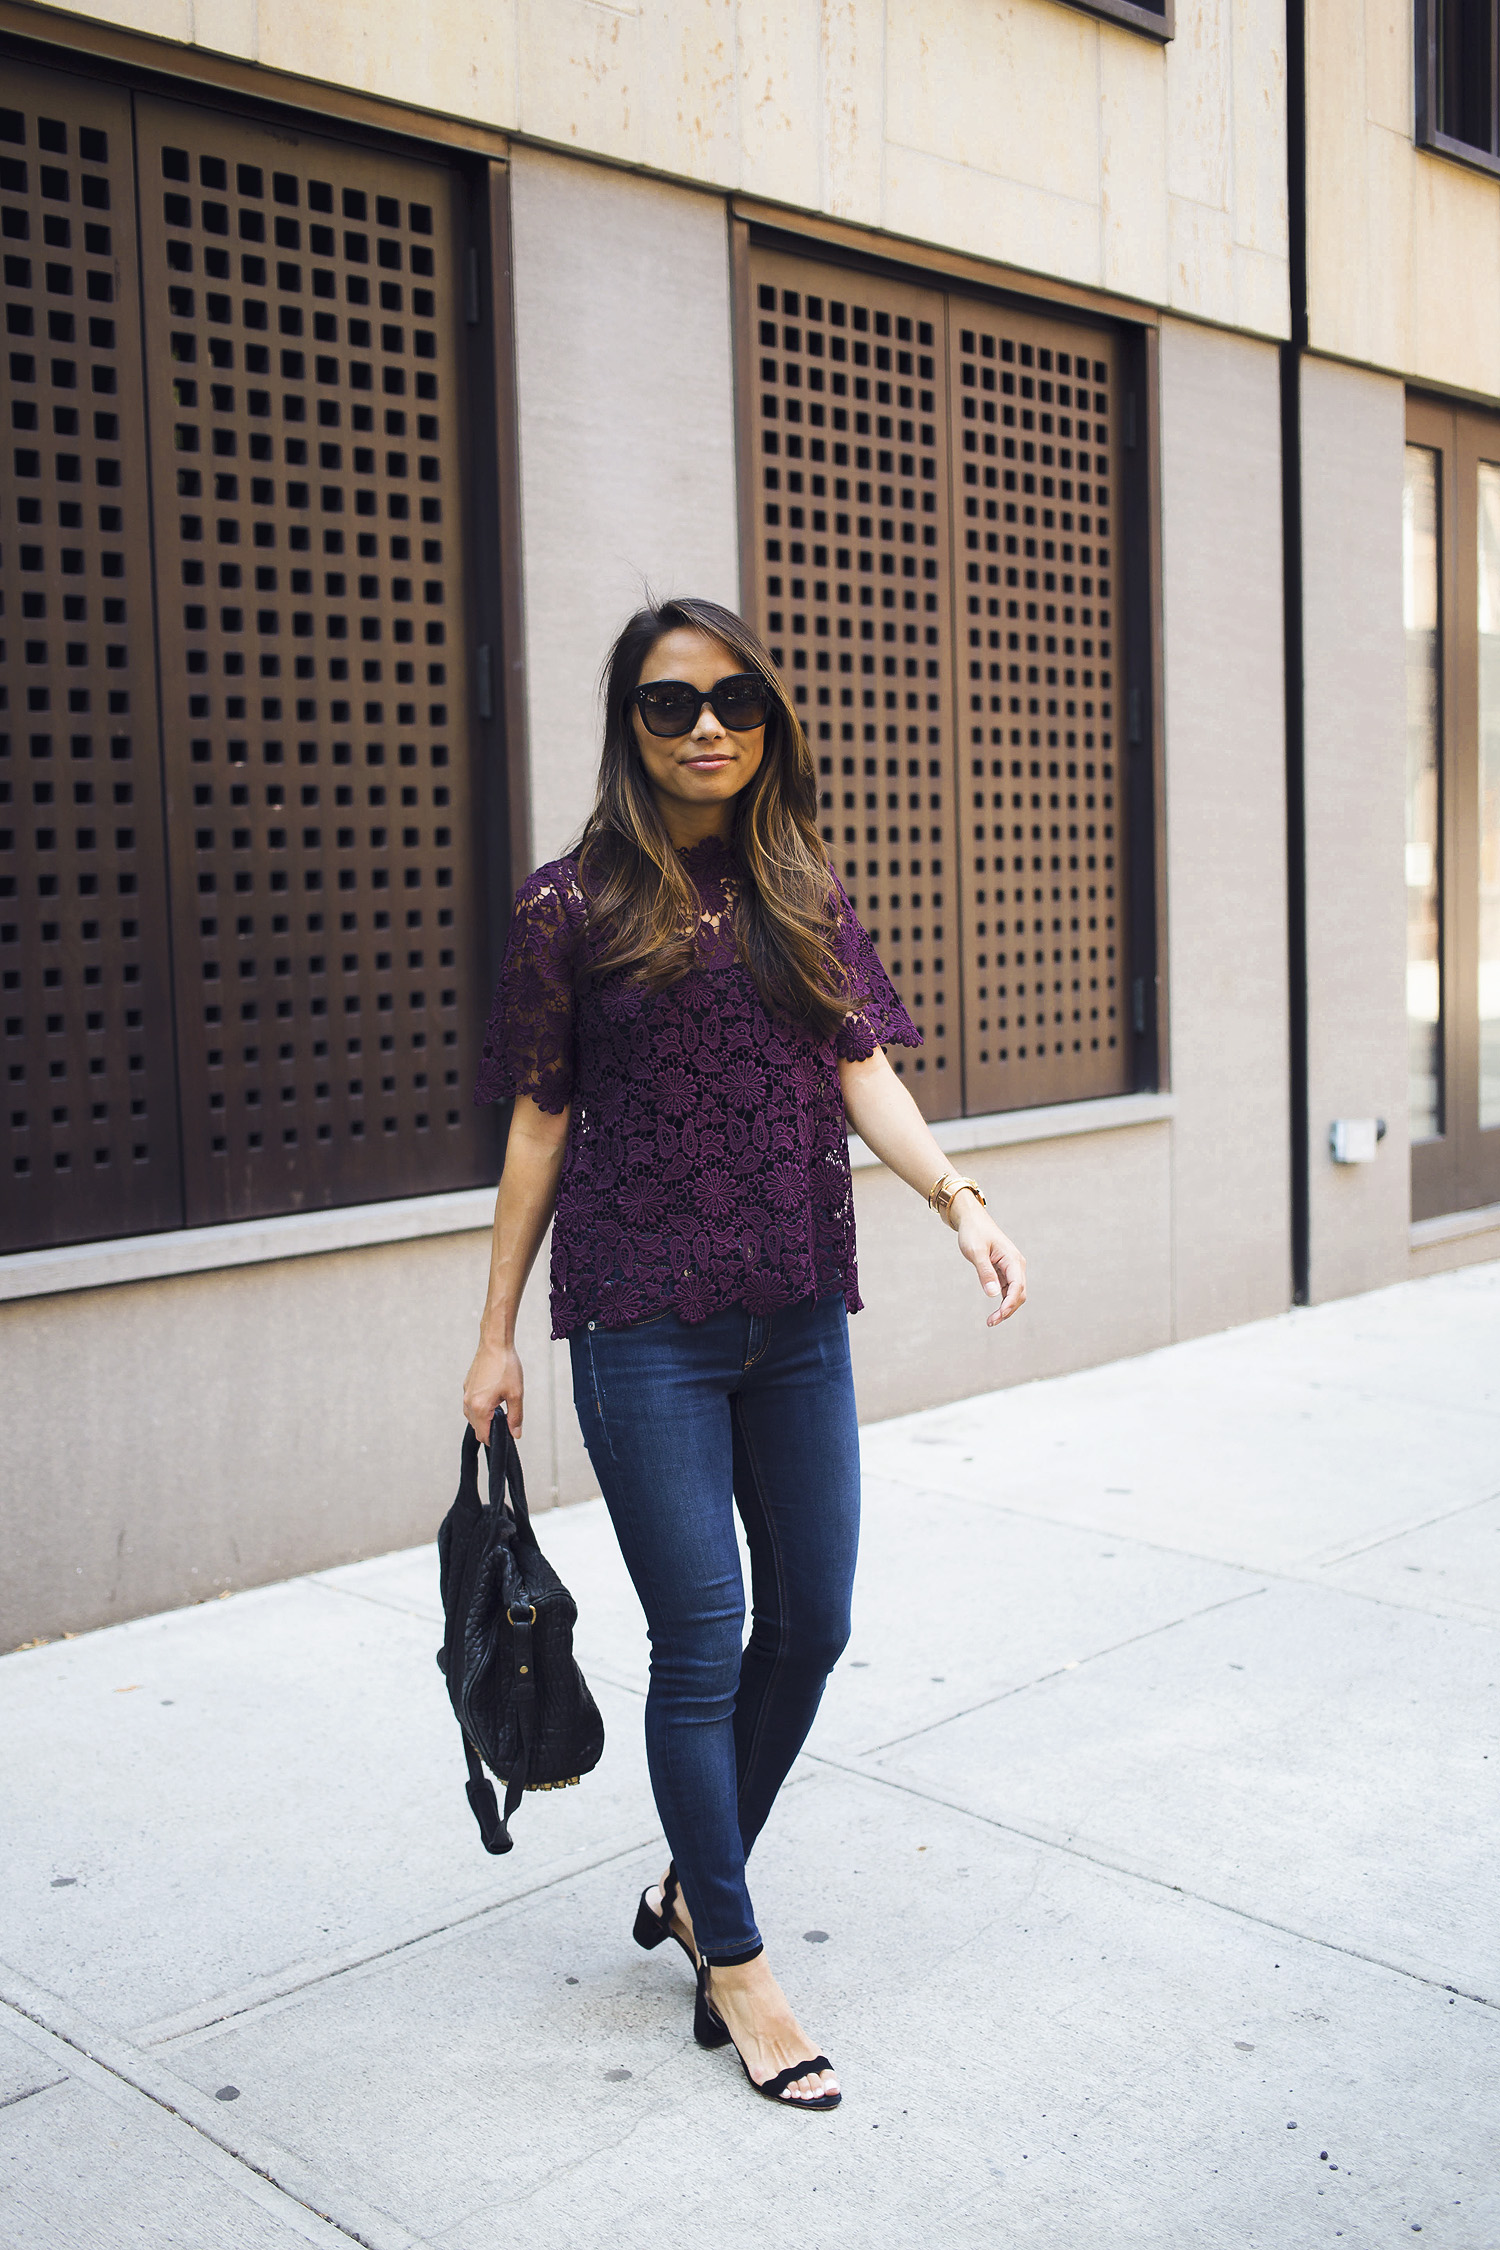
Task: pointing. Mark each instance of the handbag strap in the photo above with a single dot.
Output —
(494, 1829)
(506, 1478)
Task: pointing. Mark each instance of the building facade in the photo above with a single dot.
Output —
(1091, 407)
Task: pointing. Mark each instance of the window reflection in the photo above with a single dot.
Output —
(1424, 994)
(1489, 794)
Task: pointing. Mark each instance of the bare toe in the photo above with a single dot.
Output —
(810, 2089)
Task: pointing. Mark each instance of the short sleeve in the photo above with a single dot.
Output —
(876, 1018)
(528, 1041)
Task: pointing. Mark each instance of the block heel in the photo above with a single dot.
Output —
(652, 1927)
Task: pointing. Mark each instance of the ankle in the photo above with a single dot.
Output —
(740, 1976)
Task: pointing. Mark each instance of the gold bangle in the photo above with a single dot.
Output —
(946, 1187)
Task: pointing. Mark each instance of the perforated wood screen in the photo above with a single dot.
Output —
(303, 302)
(242, 942)
(853, 594)
(89, 1080)
(936, 559)
(1034, 417)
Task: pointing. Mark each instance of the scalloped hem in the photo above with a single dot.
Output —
(847, 1289)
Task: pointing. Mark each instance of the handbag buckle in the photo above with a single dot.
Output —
(530, 1613)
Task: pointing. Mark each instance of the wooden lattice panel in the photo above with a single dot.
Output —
(852, 591)
(1036, 441)
(936, 559)
(90, 1118)
(303, 314)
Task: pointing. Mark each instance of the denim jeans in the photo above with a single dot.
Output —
(682, 1424)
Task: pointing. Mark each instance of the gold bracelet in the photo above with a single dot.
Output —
(944, 1189)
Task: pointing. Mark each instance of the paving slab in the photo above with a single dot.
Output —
(957, 1602)
(87, 2164)
(257, 1788)
(1326, 1762)
(1035, 2049)
(1450, 1566)
(1243, 1447)
(22, 2071)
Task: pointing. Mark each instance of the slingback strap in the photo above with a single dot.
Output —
(775, 2088)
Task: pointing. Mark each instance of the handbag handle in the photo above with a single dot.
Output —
(505, 1474)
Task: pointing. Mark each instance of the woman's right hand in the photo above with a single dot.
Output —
(494, 1380)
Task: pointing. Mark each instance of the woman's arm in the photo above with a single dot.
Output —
(888, 1121)
(528, 1190)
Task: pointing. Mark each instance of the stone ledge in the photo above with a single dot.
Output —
(363, 1226)
(1454, 1226)
(245, 1242)
(1010, 1128)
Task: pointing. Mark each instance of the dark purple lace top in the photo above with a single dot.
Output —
(707, 1162)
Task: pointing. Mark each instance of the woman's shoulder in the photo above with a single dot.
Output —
(553, 891)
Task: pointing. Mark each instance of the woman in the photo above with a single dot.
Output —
(687, 1014)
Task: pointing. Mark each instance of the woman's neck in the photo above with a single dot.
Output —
(687, 825)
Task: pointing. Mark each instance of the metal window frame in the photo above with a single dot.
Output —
(1156, 23)
(1138, 327)
(142, 65)
(1425, 129)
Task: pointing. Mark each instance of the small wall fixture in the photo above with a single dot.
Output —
(1352, 1139)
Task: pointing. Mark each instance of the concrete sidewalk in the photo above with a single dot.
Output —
(1141, 1878)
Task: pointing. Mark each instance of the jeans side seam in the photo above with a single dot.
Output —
(779, 1660)
(598, 1400)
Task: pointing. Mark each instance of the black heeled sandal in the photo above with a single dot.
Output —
(651, 1928)
(710, 2030)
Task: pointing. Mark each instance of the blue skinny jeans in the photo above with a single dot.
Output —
(684, 1423)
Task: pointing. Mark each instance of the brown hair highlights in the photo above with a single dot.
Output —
(639, 895)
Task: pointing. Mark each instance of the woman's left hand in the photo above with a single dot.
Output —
(994, 1257)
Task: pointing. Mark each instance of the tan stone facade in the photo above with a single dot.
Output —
(297, 1404)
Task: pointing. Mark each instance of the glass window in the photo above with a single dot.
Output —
(1488, 918)
(1457, 109)
(1423, 747)
(1451, 599)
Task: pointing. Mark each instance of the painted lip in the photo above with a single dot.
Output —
(711, 760)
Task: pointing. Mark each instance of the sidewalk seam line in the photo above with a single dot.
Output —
(148, 2040)
(1075, 1664)
(89, 2043)
(1158, 1882)
(1196, 1554)
(28, 2093)
(1337, 1555)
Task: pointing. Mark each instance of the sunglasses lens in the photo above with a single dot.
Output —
(669, 709)
(740, 701)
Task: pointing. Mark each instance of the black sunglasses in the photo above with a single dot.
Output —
(671, 707)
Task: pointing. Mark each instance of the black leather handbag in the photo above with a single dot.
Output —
(507, 1652)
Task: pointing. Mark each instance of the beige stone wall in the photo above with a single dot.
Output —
(1403, 246)
(169, 1439)
(1226, 827)
(1019, 130)
(627, 458)
(1353, 437)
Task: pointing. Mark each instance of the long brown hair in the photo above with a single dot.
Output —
(640, 897)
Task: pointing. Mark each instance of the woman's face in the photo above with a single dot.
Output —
(696, 776)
